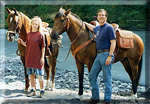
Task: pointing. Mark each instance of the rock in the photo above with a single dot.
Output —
(64, 78)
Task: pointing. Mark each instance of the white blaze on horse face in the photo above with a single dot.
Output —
(17, 18)
(7, 36)
(11, 19)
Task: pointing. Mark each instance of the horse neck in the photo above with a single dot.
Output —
(76, 27)
(25, 26)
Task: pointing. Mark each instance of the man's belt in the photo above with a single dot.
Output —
(104, 50)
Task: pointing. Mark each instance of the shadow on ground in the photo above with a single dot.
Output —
(70, 101)
(17, 96)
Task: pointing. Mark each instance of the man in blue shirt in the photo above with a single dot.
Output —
(105, 46)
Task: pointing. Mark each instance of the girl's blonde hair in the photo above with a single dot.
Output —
(39, 23)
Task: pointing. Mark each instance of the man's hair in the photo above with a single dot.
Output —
(102, 10)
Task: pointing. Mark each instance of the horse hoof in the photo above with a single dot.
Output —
(52, 89)
(134, 96)
(81, 97)
(47, 89)
(53, 86)
(25, 90)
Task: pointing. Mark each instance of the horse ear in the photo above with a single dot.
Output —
(67, 12)
(61, 9)
(16, 13)
(8, 10)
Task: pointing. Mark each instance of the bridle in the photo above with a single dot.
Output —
(15, 34)
(78, 48)
(16, 31)
(67, 24)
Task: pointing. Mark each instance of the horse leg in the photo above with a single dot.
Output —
(53, 73)
(136, 66)
(47, 67)
(134, 71)
(127, 67)
(26, 75)
(80, 67)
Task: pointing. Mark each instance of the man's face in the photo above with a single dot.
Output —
(101, 17)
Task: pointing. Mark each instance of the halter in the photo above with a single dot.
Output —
(67, 26)
(77, 49)
(15, 31)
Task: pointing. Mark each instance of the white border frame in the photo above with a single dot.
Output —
(65, 2)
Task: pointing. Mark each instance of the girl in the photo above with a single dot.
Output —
(34, 55)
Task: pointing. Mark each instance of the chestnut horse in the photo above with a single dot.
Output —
(20, 23)
(79, 35)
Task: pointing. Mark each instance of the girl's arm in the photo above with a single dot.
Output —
(20, 41)
(43, 52)
(42, 57)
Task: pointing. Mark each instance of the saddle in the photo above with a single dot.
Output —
(46, 32)
(124, 37)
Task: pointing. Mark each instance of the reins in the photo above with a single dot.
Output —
(18, 51)
(76, 50)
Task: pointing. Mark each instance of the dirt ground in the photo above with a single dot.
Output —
(63, 96)
(13, 93)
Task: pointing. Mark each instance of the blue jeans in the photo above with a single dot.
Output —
(36, 71)
(98, 65)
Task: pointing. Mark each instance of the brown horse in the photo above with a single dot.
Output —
(84, 50)
(20, 23)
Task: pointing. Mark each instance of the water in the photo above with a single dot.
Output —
(8, 49)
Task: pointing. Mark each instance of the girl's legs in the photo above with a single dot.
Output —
(33, 85)
(41, 85)
(33, 81)
(41, 82)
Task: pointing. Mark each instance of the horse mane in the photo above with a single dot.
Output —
(26, 21)
(76, 16)
(61, 13)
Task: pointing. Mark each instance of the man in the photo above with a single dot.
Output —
(105, 46)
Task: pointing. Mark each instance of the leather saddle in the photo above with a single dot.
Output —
(124, 37)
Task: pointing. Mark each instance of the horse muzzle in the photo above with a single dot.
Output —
(54, 35)
(10, 36)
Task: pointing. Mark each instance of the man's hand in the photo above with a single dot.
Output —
(108, 60)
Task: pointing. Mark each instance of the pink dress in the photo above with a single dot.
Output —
(33, 53)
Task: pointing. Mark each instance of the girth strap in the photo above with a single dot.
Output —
(74, 52)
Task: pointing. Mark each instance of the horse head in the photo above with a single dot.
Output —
(13, 24)
(61, 23)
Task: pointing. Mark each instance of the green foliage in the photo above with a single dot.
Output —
(128, 17)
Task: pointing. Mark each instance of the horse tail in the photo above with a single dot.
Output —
(139, 69)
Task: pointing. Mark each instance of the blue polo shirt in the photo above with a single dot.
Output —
(104, 34)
